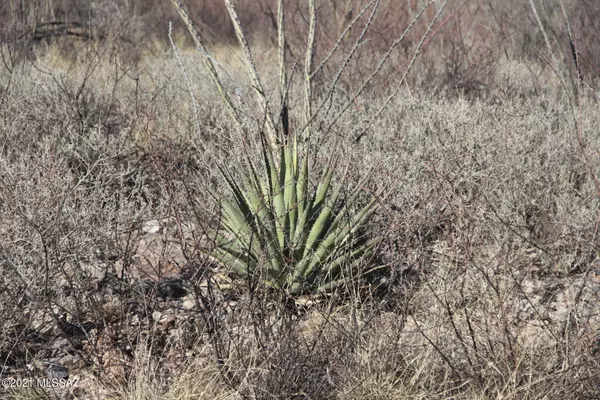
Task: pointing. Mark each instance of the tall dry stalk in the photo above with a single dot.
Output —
(282, 68)
(308, 64)
(554, 64)
(208, 63)
(271, 132)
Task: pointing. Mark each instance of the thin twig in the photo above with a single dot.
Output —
(187, 80)
(208, 62)
(308, 64)
(346, 62)
(405, 74)
(341, 38)
(555, 66)
(573, 51)
(283, 88)
(541, 26)
(271, 132)
(383, 60)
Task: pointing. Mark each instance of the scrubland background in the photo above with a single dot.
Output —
(486, 153)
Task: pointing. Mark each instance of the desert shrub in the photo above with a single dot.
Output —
(487, 200)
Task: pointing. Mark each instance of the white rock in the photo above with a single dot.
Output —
(151, 227)
(188, 304)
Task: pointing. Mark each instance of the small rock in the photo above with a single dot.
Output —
(151, 227)
(60, 343)
(305, 301)
(155, 226)
(156, 315)
(72, 362)
(67, 359)
(56, 371)
(230, 306)
(167, 320)
(188, 304)
(43, 324)
(175, 334)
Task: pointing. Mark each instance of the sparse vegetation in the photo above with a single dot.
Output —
(467, 178)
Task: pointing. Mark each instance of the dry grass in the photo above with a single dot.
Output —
(489, 214)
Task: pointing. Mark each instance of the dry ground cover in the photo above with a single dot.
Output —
(484, 282)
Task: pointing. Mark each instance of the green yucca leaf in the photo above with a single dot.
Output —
(235, 264)
(301, 231)
(321, 224)
(338, 237)
(294, 141)
(275, 194)
(235, 221)
(322, 188)
(260, 184)
(334, 266)
(360, 218)
(265, 227)
(234, 243)
(289, 188)
(254, 220)
(241, 256)
(301, 193)
(317, 231)
(343, 211)
(341, 224)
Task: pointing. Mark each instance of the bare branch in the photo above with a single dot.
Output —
(346, 62)
(385, 57)
(208, 62)
(271, 132)
(187, 80)
(282, 68)
(308, 62)
(341, 38)
(405, 74)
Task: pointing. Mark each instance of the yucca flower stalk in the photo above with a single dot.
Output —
(299, 240)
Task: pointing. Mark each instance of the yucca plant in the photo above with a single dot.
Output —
(295, 238)
(299, 240)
